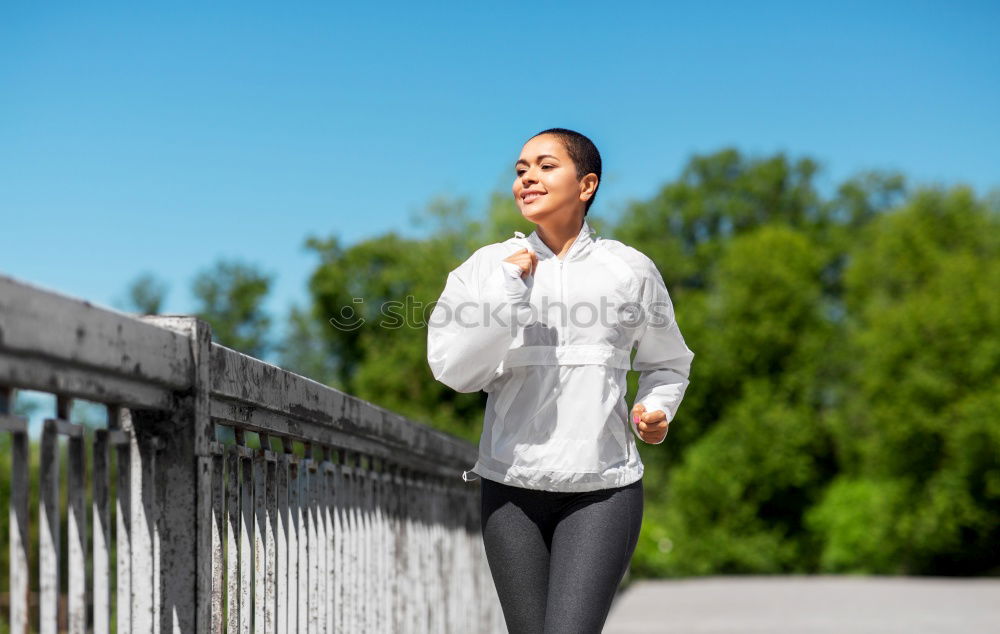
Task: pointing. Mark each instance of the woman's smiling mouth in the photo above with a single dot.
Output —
(531, 196)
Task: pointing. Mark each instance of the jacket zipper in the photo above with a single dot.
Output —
(562, 341)
(562, 301)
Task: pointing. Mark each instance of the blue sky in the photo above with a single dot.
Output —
(140, 137)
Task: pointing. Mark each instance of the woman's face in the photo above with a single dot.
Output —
(545, 181)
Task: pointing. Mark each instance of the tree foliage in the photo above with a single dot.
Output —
(230, 297)
(843, 413)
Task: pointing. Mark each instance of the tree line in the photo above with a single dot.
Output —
(843, 413)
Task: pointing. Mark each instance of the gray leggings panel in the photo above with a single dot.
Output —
(557, 558)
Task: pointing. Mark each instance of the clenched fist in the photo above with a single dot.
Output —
(525, 259)
(652, 426)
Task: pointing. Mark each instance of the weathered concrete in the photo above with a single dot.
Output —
(367, 529)
(808, 605)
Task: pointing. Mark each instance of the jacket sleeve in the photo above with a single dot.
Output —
(471, 327)
(662, 358)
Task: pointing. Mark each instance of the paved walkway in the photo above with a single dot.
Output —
(808, 605)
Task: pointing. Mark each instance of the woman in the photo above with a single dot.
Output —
(545, 324)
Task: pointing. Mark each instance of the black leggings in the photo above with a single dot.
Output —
(556, 557)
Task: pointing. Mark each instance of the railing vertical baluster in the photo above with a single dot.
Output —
(371, 545)
(346, 551)
(48, 529)
(429, 604)
(456, 545)
(427, 561)
(444, 553)
(331, 541)
(456, 532)
(365, 523)
(409, 550)
(123, 521)
(392, 508)
(367, 567)
(414, 577)
(439, 555)
(446, 538)
(435, 606)
(145, 583)
(270, 556)
(470, 597)
(246, 536)
(406, 504)
(388, 544)
(302, 513)
(423, 570)
(307, 537)
(460, 597)
(102, 533)
(378, 546)
(473, 608)
(154, 514)
(476, 602)
(316, 479)
(232, 540)
(218, 497)
(395, 538)
(456, 540)
(406, 549)
(259, 475)
(357, 542)
(433, 570)
(281, 543)
(446, 531)
(430, 578)
(318, 549)
(77, 532)
(294, 534)
(17, 514)
(340, 534)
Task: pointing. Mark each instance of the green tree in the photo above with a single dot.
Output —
(145, 295)
(919, 433)
(230, 295)
(736, 500)
(841, 414)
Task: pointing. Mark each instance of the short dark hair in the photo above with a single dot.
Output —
(584, 154)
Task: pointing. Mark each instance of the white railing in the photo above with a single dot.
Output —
(231, 495)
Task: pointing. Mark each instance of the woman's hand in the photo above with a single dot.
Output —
(653, 426)
(525, 259)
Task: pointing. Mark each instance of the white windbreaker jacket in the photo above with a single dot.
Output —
(552, 352)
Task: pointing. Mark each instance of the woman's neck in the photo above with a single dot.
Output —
(559, 236)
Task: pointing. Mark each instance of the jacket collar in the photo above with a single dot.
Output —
(578, 248)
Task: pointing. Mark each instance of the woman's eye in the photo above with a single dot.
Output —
(519, 172)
